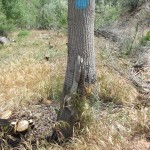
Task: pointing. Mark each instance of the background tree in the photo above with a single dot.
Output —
(8, 7)
(80, 74)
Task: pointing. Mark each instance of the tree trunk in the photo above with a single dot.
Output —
(81, 72)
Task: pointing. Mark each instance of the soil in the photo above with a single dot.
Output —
(43, 116)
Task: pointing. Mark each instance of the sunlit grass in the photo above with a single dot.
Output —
(25, 74)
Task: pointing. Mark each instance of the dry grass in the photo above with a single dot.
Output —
(25, 76)
(114, 88)
(24, 73)
(113, 129)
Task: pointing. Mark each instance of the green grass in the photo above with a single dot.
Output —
(23, 34)
(145, 40)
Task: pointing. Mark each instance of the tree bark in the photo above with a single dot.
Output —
(81, 72)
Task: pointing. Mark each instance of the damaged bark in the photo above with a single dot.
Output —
(81, 72)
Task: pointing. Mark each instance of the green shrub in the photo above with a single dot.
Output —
(23, 13)
(130, 5)
(43, 14)
(53, 15)
(145, 39)
(23, 34)
(5, 25)
(106, 15)
(9, 8)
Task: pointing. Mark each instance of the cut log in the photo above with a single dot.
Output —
(22, 125)
(107, 34)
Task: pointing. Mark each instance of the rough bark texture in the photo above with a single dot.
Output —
(81, 73)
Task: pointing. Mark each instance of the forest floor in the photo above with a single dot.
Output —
(32, 72)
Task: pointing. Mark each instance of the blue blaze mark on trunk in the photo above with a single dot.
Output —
(81, 4)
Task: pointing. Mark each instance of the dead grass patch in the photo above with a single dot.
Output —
(25, 75)
(115, 88)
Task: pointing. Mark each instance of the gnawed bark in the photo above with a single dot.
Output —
(81, 73)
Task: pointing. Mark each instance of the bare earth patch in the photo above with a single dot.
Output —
(43, 117)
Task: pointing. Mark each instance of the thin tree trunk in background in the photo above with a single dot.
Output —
(81, 72)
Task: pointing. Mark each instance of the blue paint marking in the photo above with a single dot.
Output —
(81, 4)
